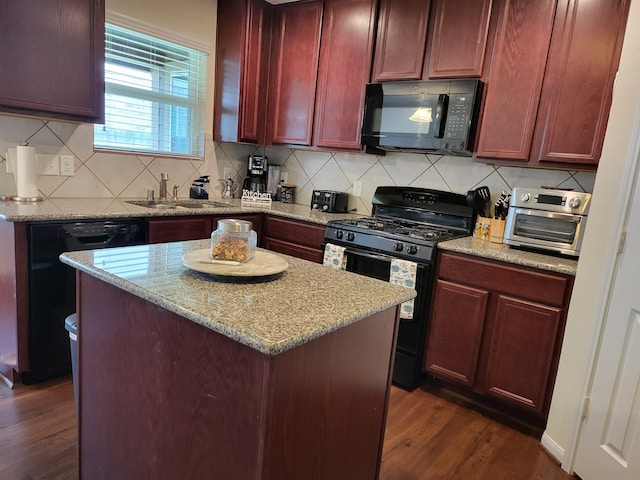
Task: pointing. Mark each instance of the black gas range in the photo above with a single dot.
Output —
(406, 224)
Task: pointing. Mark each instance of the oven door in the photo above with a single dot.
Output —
(407, 370)
(558, 232)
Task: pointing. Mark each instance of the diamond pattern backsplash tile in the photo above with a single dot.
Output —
(99, 174)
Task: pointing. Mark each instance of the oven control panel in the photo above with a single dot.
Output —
(552, 200)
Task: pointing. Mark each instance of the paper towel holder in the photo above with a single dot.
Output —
(16, 171)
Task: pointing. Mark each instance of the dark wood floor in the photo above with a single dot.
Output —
(431, 435)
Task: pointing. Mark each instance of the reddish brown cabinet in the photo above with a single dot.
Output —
(550, 81)
(496, 329)
(52, 58)
(346, 52)
(293, 237)
(294, 72)
(401, 40)
(176, 229)
(242, 49)
(576, 93)
(458, 38)
(457, 32)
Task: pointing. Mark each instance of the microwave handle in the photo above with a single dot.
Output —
(440, 121)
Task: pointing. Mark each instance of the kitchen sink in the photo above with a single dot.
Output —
(172, 205)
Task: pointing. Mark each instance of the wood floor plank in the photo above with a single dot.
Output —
(431, 435)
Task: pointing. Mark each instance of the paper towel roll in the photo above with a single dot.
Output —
(26, 173)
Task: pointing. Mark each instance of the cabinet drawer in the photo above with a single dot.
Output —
(178, 229)
(294, 231)
(545, 287)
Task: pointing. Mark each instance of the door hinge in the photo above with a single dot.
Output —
(585, 407)
(623, 239)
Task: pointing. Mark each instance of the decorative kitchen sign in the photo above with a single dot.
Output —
(255, 199)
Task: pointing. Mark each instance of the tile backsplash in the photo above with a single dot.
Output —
(99, 174)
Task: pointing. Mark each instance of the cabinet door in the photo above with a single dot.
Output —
(458, 38)
(401, 40)
(345, 67)
(288, 248)
(178, 229)
(514, 79)
(253, 103)
(295, 52)
(576, 95)
(243, 35)
(521, 353)
(52, 58)
(455, 332)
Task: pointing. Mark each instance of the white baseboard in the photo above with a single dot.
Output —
(552, 448)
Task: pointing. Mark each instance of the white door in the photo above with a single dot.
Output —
(609, 444)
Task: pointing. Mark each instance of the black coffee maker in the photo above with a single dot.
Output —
(256, 179)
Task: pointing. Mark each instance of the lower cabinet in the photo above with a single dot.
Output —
(496, 329)
(293, 237)
(178, 229)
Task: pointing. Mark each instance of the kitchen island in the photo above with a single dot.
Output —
(188, 375)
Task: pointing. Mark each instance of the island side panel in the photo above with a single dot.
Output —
(328, 401)
(160, 396)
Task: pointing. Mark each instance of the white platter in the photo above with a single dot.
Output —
(263, 263)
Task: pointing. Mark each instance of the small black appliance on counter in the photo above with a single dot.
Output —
(198, 188)
(256, 179)
(329, 201)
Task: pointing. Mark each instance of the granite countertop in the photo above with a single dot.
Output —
(306, 301)
(61, 209)
(505, 253)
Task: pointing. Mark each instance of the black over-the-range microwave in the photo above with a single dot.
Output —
(439, 116)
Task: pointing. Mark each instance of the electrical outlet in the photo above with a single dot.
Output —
(48, 164)
(284, 177)
(227, 173)
(67, 167)
(357, 188)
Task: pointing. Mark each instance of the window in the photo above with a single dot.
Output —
(154, 96)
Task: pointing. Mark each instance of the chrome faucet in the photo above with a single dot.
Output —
(164, 178)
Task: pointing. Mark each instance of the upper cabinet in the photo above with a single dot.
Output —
(294, 72)
(345, 65)
(401, 40)
(310, 63)
(457, 32)
(52, 59)
(458, 38)
(242, 49)
(550, 82)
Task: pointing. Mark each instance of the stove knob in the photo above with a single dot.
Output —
(351, 236)
(325, 207)
(525, 197)
(398, 247)
(339, 234)
(412, 250)
(575, 203)
(314, 206)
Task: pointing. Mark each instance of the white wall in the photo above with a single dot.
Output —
(598, 252)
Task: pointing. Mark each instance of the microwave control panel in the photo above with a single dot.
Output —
(552, 200)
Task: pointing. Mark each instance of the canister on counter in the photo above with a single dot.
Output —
(233, 241)
(287, 192)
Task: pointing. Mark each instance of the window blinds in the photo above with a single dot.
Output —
(154, 95)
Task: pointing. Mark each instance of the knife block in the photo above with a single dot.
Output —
(496, 230)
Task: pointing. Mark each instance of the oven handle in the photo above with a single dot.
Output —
(374, 256)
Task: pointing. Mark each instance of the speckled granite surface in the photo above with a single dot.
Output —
(306, 301)
(59, 209)
(504, 253)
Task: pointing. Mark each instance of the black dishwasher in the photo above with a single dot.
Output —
(52, 284)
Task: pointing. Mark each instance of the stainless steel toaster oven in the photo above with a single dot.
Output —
(547, 219)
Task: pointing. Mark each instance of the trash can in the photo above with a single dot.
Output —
(71, 324)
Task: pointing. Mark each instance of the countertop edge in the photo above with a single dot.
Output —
(504, 253)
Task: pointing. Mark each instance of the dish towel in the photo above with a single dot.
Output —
(334, 256)
(403, 273)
